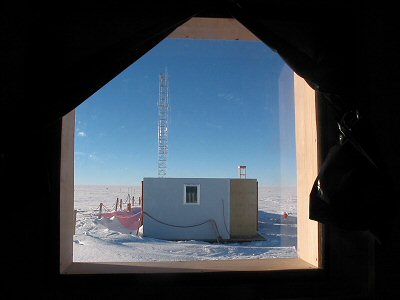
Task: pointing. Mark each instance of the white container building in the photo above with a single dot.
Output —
(206, 209)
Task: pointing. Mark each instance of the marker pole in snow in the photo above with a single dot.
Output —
(101, 210)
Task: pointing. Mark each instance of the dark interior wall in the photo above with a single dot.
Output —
(32, 83)
(351, 254)
(383, 55)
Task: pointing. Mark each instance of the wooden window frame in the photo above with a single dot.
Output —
(310, 237)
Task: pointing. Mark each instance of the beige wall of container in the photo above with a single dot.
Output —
(243, 208)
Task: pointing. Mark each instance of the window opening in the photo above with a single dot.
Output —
(133, 195)
(192, 194)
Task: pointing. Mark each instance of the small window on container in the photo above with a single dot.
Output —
(192, 194)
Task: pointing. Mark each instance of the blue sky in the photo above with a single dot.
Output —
(231, 104)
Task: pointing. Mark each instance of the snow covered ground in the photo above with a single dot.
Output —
(103, 240)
